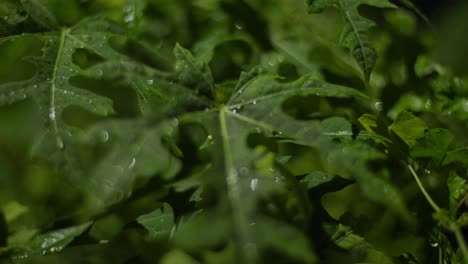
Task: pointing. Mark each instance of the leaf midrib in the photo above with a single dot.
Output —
(52, 110)
(356, 32)
(233, 188)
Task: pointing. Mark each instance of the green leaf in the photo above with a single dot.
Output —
(433, 144)
(345, 238)
(159, 223)
(158, 93)
(409, 4)
(51, 87)
(192, 72)
(51, 242)
(130, 154)
(355, 34)
(38, 10)
(408, 127)
(456, 156)
(256, 107)
(458, 188)
(316, 178)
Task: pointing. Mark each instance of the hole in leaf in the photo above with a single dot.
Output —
(125, 101)
(259, 139)
(144, 54)
(303, 159)
(288, 71)
(79, 117)
(85, 58)
(12, 53)
(195, 143)
(228, 58)
(307, 107)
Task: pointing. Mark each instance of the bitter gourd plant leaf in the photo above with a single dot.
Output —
(219, 131)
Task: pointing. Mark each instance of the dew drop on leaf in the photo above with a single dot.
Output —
(150, 82)
(428, 104)
(253, 184)
(52, 113)
(378, 106)
(104, 136)
(132, 164)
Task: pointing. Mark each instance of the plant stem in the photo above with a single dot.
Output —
(453, 225)
(461, 241)
(423, 190)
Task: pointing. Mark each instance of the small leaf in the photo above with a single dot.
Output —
(192, 72)
(433, 144)
(355, 34)
(51, 242)
(409, 128)
(159, 223)
(458, 188)
(345, 238)
(456, 156)
(130, 145)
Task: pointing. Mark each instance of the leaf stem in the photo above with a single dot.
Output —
(423, 190)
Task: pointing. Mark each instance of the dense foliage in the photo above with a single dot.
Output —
(229, 131)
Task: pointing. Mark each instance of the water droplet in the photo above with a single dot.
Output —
(132, 164)
(434, 244)
(253, 184)
(254, 102)
(59, 143)
(465, 105)
(378, 106)
(210, 139)
(52, 113)
(427, 171)
(130, 15)
(238, 26)
(100, 73)
(232, 177)
(428, 104)
(150, 82)
(175, 121)
(235, 110)
(104, 136)
(35, 86)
